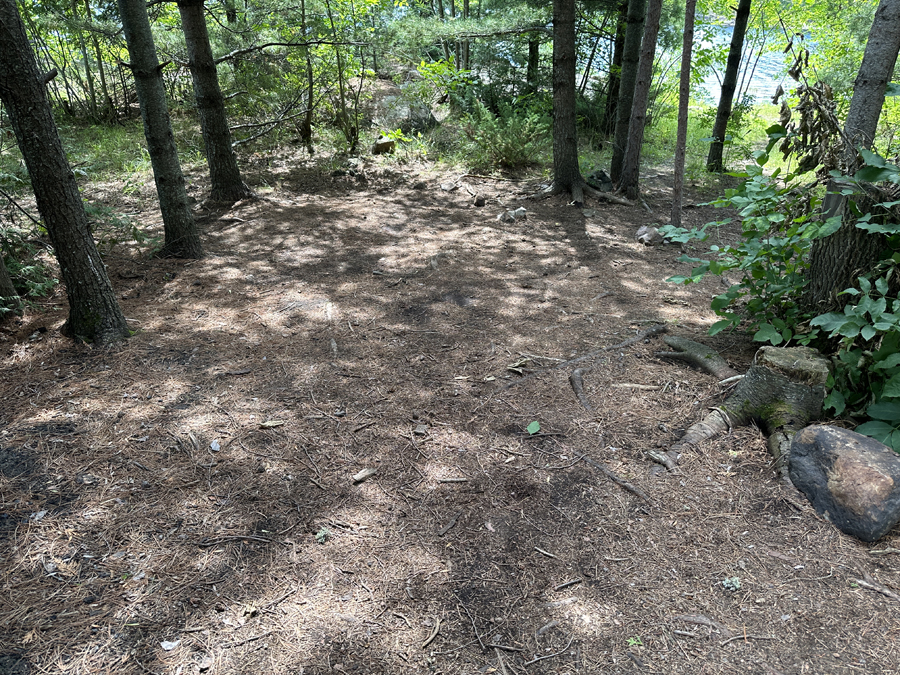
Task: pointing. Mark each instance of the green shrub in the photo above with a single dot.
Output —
(509, 139)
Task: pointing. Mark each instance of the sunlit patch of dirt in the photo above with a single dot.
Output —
(191, 501)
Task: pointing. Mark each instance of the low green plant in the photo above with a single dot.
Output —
(780, 220)
(511, 138)
(778, 225)
(21, 250)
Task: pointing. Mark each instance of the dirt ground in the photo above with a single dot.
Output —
(193, 501)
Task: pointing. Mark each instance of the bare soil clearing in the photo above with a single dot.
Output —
(186, 503)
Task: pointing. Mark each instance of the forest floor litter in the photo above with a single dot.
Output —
(319, 453)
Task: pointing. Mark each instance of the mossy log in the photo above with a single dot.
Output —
(782, 392)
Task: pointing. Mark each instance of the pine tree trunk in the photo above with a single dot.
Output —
(227, 185)
(9, 296)
(631, 169)
(729, 84)
(531, 73)
(181, 238)
(94, 313)
(684, 96)
(836, 261)
(608, 123)
(631, 56)
(566, 173)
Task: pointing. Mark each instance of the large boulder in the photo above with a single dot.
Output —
(394, 112)
(851, 479)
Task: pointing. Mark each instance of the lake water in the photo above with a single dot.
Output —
(768, 74)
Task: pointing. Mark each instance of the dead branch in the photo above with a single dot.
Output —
(878, 588)
(550, 656)
(618, 481)
(747, 636)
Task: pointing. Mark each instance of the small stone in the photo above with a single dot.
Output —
(649, 236)
(479, 200)
(419, 185)
(507, 217)
(520, 213)
(852, 480)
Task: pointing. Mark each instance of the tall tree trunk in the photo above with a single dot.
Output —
(531, 75)
(181, 238)
(9, 296)
(94, 313)
(589, 66)
(305, 125)
(88, 75)
(631, 165)
(836, 261)
(108, 108)
(729, 84)
(608, 123)
(227, 185)
(631, 56)
(566, 173)
(684, 97)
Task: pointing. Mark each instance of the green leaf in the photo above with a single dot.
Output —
(719, 326)
(891, 361)
(889, 411)
(872, 158)
(835, 400)
(868, 332)
(892, 387)
(880, 431)
(893, 89)
(768, 333)
(875, 174)
(533, 428)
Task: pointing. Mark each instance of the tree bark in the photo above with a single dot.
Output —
(729, 85)
(94, 313)
(836, 261)
(531, 73)
(684, 96)
(628, 182)
(9, 296)
(227, 185)
(181, 237)
(566, 173)
(631, 56)
(608, 123)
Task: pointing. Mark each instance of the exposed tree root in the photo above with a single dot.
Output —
(606, 196)
(618, 481)
(653, 330)
(698, 355)
(782, 393)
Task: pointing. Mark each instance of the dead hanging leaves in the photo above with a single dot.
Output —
(813, 132)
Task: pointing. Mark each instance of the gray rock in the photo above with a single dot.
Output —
(383, 146)
(851, 479)
(397, 112)
(479, 200)
(600, 181)
(649, 236)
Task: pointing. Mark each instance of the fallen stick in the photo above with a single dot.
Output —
(637, 492)
(550, 656)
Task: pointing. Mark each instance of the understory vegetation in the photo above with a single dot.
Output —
(314, 75)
